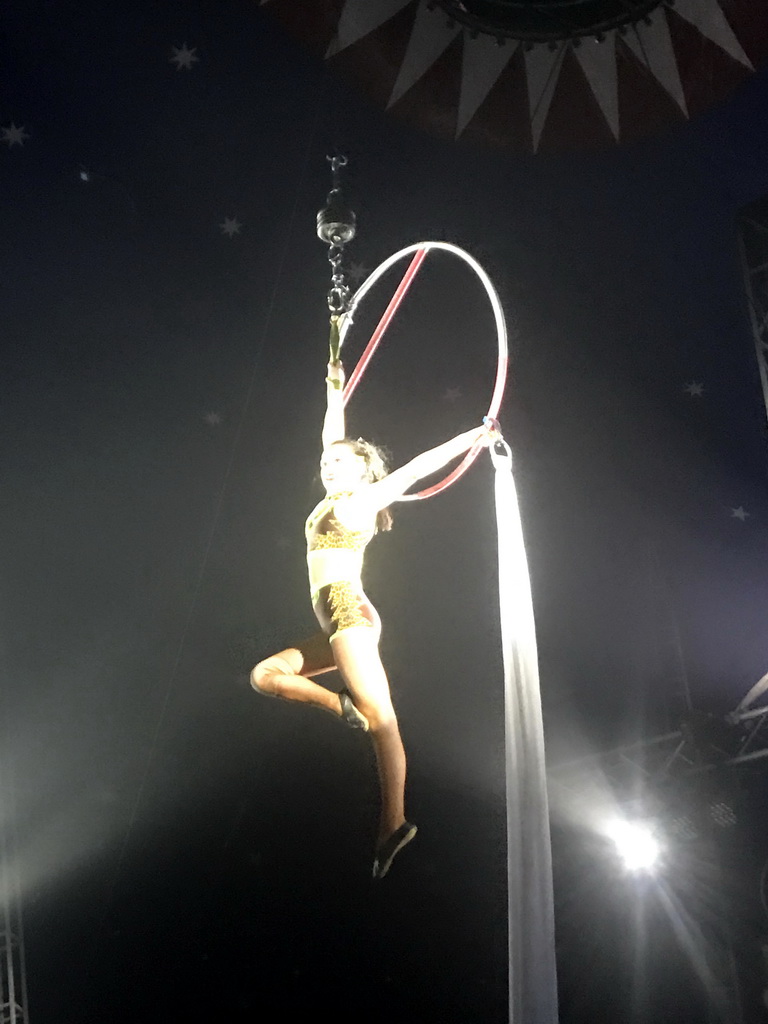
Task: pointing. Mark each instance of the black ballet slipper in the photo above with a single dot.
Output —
(355, 719)
(388, 850)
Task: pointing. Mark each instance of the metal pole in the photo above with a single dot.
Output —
(758, 328)
(13, 976)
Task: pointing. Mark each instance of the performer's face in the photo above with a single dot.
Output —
(341, 469)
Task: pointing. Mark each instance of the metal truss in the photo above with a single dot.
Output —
(13, 998)
(753, 238)
(13, 980)
(703, 744)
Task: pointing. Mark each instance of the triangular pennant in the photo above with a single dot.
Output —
(652, 45)
(483, 62)
(598, 62)
(430, 37)
(709, 19)
(542, 67)
(359, 17)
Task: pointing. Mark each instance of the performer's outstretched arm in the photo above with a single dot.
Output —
(394, 486)
(333, 424)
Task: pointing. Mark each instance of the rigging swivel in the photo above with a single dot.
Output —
(336, 225)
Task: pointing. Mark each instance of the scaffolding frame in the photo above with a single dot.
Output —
(702, 744)
(753, 245)
(13, 972)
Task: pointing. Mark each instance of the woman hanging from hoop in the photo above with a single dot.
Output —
(359, 492)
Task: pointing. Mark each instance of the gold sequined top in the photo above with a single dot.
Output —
(334, 552)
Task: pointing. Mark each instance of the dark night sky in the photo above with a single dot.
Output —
(187, 848)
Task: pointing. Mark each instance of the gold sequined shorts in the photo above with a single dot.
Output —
(342, 605)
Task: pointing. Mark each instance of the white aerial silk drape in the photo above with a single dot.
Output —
(532, 969)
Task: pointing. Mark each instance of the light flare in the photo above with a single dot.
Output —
(635, 843)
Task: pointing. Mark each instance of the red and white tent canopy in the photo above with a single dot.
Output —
(435, 73)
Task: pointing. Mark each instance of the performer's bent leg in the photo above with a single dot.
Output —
(286, 674)
(356, 654)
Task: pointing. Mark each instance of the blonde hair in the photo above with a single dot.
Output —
(376, 468)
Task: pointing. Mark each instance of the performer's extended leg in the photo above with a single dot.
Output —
(287, 674)
(356, 654)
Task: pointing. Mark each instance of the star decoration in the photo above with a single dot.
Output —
(231, 226)
(212, 419)
(739, 513)
(14, 136)
(183, 57)
(695, 389)
(452, 394)
(357, 272)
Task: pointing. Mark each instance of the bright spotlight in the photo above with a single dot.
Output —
(635, 843)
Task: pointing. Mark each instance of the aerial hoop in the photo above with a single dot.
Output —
(419, 251)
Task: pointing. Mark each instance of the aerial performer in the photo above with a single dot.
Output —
(358, 494)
